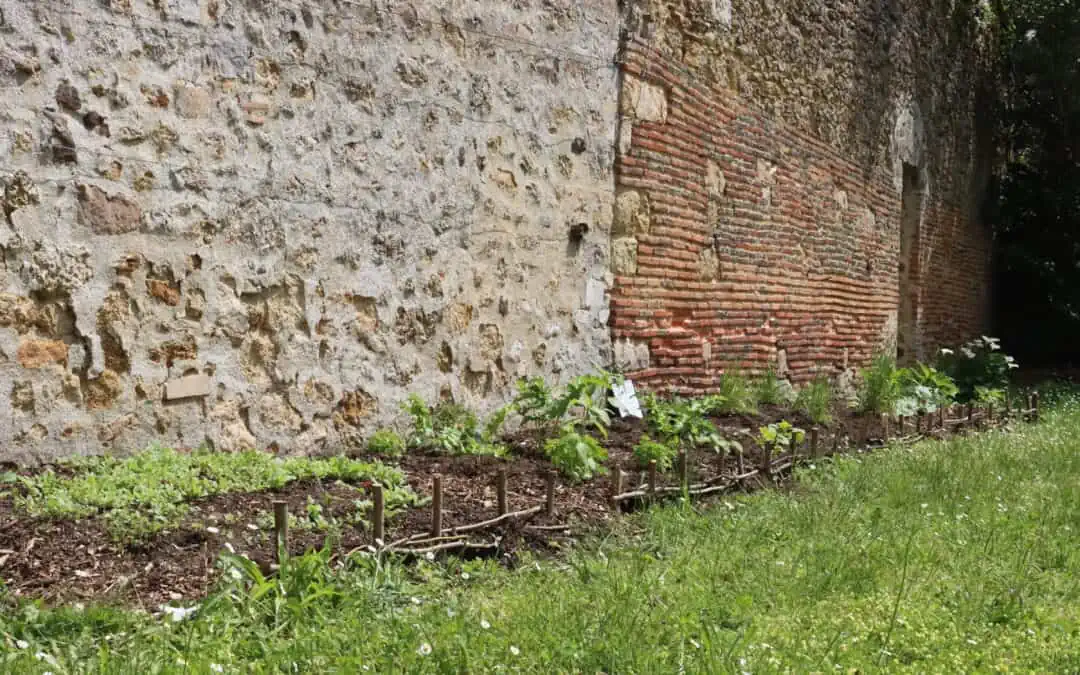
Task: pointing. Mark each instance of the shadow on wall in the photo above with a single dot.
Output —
(940, 52)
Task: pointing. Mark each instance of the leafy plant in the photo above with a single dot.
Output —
(386, 442)
(815, 399)
(578, 456)
(681, 423)
(989, 396)
(977, 363)
(924, 389)
(534, 400)
(648, 450)
(736, 393)
(880, 387)
(452, 429)
(780, 435)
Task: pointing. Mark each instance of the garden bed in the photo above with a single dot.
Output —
(81, 558)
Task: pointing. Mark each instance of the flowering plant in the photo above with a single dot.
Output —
(978, 363)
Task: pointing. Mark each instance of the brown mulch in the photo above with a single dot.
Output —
(76, 560)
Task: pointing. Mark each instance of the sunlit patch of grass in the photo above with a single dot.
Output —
(959, 556)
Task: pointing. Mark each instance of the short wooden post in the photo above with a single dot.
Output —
(968, 415)
(1035, 406)
(500, 489)
(941, 417)
(684, 470)
(549, 502)
(766, 460)
(616, 487)
(900, 426)
(990, 414)
(281, 531)
(885, 426)
(652, 476)
(918, 423)
(815, 439)
(436, 505)
(378, 516)
(1029, 413)
(741, 461)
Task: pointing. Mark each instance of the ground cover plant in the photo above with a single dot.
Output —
(957, 556)
(144, 494)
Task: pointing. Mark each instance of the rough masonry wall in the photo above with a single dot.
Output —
(264, 223)
(762, 149)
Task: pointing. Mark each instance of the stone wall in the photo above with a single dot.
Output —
(265, 223)
(762, 214)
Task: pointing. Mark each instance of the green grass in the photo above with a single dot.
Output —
(944, 557)
(146, 493)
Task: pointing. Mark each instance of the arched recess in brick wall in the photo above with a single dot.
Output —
(913, 202)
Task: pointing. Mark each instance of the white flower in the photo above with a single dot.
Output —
(484, 624)
(22, 644)
(514, 650)
(465, 576)
(235, 574)
(216, 667)
(697, 645)
(450, 612)
(430, 555)
(41, 656)
(415, 600)
(967, 352)
(424, 649)
(178, 614)
(1030, 34)
(946, 352)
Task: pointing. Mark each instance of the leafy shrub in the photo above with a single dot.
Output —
(450, 429)
(386, 442)
(681, 423)
(578, 456)
(780, 435)
(736, 393)
(648, 450)
(924, 389)
(815, 399)
(585, 401)
(880, 386)
(977, 363)
(989, 396)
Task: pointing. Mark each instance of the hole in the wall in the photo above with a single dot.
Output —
(911, 209)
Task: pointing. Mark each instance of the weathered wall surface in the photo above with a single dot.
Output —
(762, 153)
(264, 223)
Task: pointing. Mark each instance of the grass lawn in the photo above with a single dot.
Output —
(959, 556)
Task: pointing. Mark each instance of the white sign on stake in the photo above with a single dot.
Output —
(626, 400)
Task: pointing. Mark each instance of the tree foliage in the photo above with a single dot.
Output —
(1037, 238)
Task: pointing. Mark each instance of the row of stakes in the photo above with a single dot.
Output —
(378, 515)
(281, 509)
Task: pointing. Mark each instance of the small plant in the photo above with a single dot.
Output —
(880, 387)
(771, 390)
(924, 389)
(737, 394)
(451, 429)
(815, 400)
(533, 401)
(681, 423)
(648, 450)
(387, 443)
(989, 396)
(780, 435)
(578, 456)
(977, 363)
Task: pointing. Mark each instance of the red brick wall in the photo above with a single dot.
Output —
(806, 241)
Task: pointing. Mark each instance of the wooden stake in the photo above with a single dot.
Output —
(900, 425)
(1035, 406)
(378, 515)
(652, 476)
(990, 413)
(918, 423)
(742, 462)
(281, 531)
(815, 439)
(500, 489)
(436, 505)
(549, 504)
(684, 470)
(616, 487)
(941, 417)
(885, 426)
(1029, 414)
(766, 460)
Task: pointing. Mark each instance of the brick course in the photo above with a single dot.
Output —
(807, 243)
